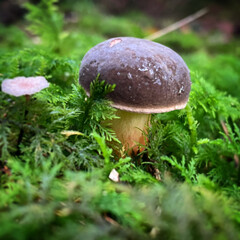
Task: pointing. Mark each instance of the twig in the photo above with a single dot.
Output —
(235, 157)
(177, 25)
(111, 221)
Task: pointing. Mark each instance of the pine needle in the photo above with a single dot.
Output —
(177, 25)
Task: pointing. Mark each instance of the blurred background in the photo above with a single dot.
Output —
(223, 16)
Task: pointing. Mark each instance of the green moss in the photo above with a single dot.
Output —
(55, 184)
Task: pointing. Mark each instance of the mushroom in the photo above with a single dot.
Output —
(26, 86)
(149, 77)
(20, 86)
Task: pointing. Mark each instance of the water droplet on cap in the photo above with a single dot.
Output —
(129, 75)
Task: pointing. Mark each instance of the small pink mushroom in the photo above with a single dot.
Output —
(20, 86)
(26, 86)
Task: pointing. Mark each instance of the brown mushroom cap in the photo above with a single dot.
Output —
(149, 77)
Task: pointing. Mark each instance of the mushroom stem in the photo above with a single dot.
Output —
(21, 133)
(27, 97)
(130, 128)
